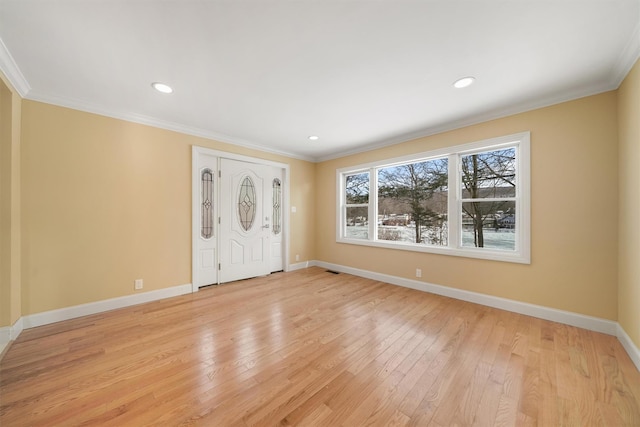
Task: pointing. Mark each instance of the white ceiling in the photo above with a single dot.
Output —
(357, 73)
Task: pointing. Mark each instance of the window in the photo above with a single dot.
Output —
(206, 204)
(356, 206)
(489, 199)
(276, 187)
(469, 200)
(412, 202)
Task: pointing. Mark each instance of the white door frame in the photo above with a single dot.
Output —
(195, 201)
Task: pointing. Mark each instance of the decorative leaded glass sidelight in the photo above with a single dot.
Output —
(206, 186)
(246, 203)
(277, 206)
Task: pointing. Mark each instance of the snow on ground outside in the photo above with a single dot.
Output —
(501, 239)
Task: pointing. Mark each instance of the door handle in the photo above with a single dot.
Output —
(265, 226)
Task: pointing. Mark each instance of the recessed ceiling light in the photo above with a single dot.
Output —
(314, 138)
(161, 87)
(464, 82)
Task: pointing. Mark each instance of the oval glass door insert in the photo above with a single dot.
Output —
(246, 203)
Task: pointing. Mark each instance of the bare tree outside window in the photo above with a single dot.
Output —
(489, 197)
(414, 196)
(357, 189)
(357, 205)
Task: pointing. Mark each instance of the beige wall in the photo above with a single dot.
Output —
(629, 206)
(574, 216)
(5, 204)
(107, 201)
(10, 221)
(91, 185)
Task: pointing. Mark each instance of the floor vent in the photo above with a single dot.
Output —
(333, 272)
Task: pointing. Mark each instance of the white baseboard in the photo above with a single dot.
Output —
(17, 328)
(10, 333)
(629, 346)
(5, 337)
(609, 327)
(47, 317)
(591, 323)
(574, 319)
(299, 266)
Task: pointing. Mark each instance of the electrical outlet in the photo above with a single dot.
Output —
(137, 284)
(418, 272)
(297, 257)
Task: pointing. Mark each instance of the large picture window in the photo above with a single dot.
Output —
(467, 200)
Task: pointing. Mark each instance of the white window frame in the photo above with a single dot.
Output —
(346, 205)
(522, 252)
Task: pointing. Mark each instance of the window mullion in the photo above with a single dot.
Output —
(373, 204)
(491, 199)
(342, 219)
(454, 203)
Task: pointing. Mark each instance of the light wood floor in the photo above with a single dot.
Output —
(315, 348)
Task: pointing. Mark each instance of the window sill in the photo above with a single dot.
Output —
(486, 254)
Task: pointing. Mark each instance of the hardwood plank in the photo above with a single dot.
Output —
(398, 419)
(316, 349)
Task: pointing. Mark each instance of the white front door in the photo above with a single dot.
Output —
(245, 227)
(205, 183)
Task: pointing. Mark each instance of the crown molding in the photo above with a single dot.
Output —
(477, 119)
(434, 130)
(627, 59)
(11, 70)
(84, 106)
(623, 65)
